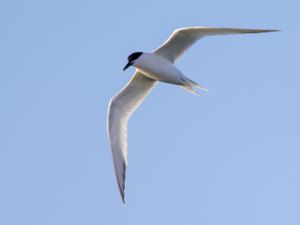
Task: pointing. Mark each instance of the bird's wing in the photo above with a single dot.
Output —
(120, 109)
(181, 39)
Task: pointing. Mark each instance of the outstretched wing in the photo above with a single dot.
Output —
(120, 109)
(181, 39)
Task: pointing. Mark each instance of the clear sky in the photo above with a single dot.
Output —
(230, 157)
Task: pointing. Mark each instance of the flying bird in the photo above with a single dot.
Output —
(152, 68)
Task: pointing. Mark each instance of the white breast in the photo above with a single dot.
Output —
(158, 68)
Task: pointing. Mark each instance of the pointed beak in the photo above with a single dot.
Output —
(127, 65)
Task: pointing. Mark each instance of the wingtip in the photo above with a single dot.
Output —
(261, 30)
(273, 30)
(123, 196)
(122, 192)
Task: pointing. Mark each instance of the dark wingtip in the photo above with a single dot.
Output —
(122, 193)
(261, 31)
(122, 187)
(273, 30)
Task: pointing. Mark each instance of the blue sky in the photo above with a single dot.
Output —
(228, 157)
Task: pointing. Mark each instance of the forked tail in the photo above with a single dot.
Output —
(192, 86)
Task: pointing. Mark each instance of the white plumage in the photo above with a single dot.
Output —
(151, 68)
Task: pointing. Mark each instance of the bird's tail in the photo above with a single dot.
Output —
(192, 86)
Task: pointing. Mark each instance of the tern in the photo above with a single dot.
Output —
(152, 68)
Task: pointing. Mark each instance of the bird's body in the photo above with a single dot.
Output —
(158, 68)
(153, 68)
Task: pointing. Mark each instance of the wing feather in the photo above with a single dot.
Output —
(120, 109)
(181, 39)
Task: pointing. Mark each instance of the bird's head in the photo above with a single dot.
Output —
(132, 59)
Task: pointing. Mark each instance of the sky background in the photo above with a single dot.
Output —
(230, 157)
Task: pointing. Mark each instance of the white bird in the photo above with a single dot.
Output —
(150, 69)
